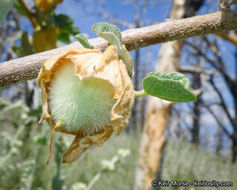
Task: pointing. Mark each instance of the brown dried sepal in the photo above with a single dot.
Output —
(109, 68)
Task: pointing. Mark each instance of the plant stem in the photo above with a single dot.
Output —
(32, 175)
(27, 68)
(30, 15)
(6, 157)
(140, 93)
(93, 181)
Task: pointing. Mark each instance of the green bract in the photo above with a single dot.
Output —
(172, 86)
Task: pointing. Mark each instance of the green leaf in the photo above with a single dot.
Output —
(64, 37)
(103, 27)
(41, 140)
(35, 112)
(112, 34)
(172, 86)
(19, 9)
(83, 40)
(17, 51)
(25, 48)
(127, 59)
(57, 182)
(1, 89)
(5, 6)
(62, 20)
(74, 30)
(234, 2)
(121, 49)
(114, 40)
(65, 23)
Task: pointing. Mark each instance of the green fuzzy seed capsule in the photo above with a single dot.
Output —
(83, 105)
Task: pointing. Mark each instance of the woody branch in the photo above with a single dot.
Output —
(27, 68)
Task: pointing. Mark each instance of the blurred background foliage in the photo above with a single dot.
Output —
(201, 137)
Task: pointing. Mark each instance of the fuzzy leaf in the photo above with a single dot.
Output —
(127, 59)
(26, 46)
(172, 86)
(112, 34)
(83, 40)
(103, 27)
(113, 39)
(35, 112)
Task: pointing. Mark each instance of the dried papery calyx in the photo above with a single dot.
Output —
(88, 93)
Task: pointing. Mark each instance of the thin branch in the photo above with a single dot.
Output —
(117, 21)
(220, 66)
(218, 120)
(215, 50)
(229, 81)
(150, 2)
(231, 37)
(140, 93)
(30, 15)
(197, 70)
(196, 50)
(27, 68)
(223, 104)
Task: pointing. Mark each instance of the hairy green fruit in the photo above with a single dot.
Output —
(85, 93)
(81, 104)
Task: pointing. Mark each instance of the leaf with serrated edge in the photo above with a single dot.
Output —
(83, 41)
(172, 86)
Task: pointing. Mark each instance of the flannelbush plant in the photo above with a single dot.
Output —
(89, 93)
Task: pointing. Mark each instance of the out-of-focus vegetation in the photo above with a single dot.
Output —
(25, 150)
(183, 162)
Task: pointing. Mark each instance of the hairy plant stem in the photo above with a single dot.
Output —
(140, 93)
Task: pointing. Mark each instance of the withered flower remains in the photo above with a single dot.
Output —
(86, 93)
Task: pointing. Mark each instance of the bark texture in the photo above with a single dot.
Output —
(158, 112)
(27, 68)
